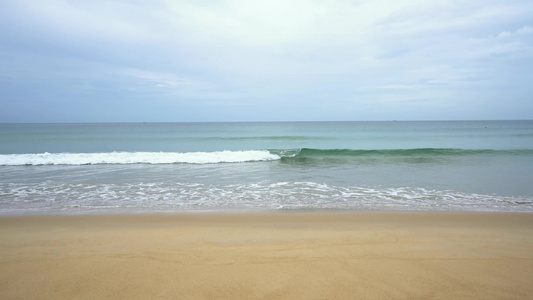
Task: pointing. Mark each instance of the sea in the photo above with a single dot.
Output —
(144, 168)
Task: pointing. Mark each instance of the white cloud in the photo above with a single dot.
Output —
(87, 19)
(399, 87)
(522, 31)
(286, 50)
(155, 78)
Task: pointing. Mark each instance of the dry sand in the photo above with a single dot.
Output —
(268, 256)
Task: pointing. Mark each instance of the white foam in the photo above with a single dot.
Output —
(165, 196)
(136, 158)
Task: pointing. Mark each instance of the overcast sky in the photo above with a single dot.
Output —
(288, 60)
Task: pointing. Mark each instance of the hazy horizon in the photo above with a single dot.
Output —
(282, 121)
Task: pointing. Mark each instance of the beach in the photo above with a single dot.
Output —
(356, 255)
(266, 150)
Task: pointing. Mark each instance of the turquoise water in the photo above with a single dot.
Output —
(198, 167)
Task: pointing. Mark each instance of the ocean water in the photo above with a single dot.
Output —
(240, 167)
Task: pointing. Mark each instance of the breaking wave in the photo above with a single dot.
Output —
(285, 155)
(135, 158)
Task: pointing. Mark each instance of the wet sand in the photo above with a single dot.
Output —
(268, 256)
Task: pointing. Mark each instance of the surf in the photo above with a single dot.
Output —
(136, 158)
(298, 155)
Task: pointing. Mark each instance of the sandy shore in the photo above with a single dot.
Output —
(268, 256)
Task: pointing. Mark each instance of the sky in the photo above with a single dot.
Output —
(300, 60)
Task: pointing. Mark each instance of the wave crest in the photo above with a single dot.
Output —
(136, 158)
(300, 155)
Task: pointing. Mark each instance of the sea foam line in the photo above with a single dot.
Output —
(164, 196)
(135, 158)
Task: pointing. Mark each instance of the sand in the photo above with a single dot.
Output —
(268, 256)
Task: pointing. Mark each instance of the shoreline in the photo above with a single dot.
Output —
(237, 212)
(287, 255)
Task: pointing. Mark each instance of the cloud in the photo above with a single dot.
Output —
(306, 54)
(155, 79)
(521, 31)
